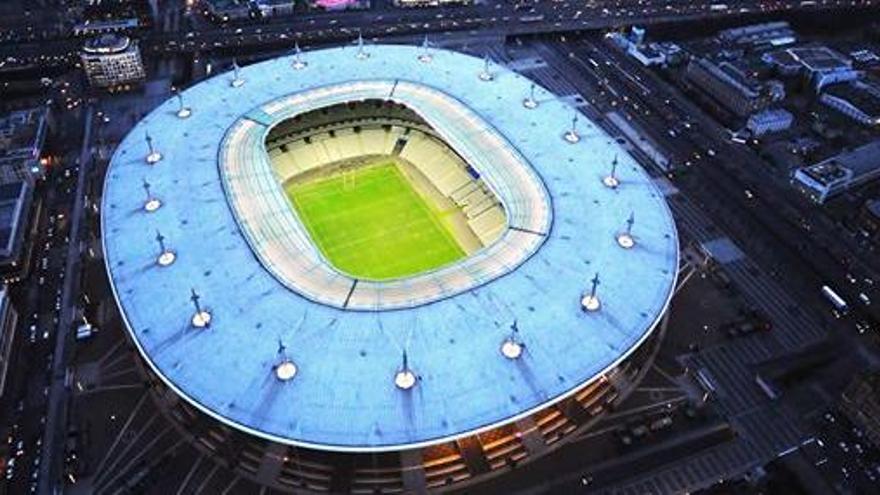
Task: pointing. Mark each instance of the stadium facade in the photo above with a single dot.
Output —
(305, 378)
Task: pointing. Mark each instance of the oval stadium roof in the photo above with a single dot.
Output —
(343, 395)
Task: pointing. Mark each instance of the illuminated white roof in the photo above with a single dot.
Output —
(343, 395)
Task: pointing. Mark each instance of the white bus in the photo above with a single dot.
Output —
(834, 298)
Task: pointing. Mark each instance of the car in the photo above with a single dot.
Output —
(864, 298)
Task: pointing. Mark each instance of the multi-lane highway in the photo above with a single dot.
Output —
(704, 213)
(503, 17)
(38, 300)
(726, 179)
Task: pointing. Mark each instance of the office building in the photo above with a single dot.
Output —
(112, 61)
(732, 87)
(832, 176)
(858, 100)
(769, 121)
(23, 135)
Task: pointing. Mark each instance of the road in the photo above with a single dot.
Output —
(506, 18)
(56, 424)
(725, 179)
(606, 83)
(38, 301)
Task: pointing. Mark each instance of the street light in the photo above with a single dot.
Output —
(611, 181)
(166, 256)
(625, 238)
(153, 156)
(571, 135)
(237, 81)
(590, 302)
(405, 379)
(361, 53)
(298, 62)
(201, 318)
(152, 204)
(485, 74)
(531, 102)
(285, 369)
(425, 57)
(183, 111)
(511, 347)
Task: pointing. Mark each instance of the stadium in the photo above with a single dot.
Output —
(383, 269)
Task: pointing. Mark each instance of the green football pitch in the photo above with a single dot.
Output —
(370, 223)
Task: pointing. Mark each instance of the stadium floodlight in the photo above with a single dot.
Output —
(362, 54)
(590, 302)
(405, 379)
(166, 256)
(531, 102)
(512, 347)
(625, 238)
(152, 204)
(183, 111)
(237, 80)
(486, 73)
(153, 156)
(285, 369)
(611, 181)
(201, 318)
(426, 57)
(571, 135)
(298, 62)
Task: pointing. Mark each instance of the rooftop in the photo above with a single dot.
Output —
(343, 396)
(779, 32)
(107, 43)
(864, 96)
(22, 133)
(861, 161)
(15, 201)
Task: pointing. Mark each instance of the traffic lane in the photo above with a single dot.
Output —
(739, 163)
(34, 368)
(505, 19)
(38, 312)
(719, 137)
(694, 147)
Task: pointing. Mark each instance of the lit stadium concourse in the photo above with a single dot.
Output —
(306, 377)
